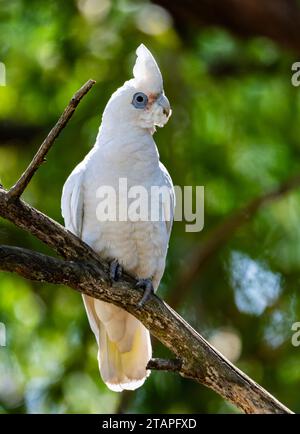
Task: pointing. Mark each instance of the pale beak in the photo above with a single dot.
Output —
(163, 101)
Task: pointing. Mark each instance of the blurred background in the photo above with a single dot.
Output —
(235, 129)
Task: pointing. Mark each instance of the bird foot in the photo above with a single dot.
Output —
(147, 285)
(115, 271)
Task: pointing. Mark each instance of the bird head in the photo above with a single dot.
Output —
(141, 101)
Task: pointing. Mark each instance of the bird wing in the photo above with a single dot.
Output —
(72, 207)
(72, 201)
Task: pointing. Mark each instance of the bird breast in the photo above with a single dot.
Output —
(140, 246)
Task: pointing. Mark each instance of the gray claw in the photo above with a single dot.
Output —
(115, 270)
(147, 285)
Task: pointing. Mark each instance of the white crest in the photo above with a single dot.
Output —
(146, 71)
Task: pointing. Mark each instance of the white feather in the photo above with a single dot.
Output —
(146, 71)
(124, 148)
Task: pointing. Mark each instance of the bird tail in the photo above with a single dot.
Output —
(124, 345)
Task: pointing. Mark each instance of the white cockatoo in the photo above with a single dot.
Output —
(124, 148)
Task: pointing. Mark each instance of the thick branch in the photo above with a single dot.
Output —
(38, 267)
(50, 232)
(173, 365)
(205, 250)
(199, 360)
(39, 158)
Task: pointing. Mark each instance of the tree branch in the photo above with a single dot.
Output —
(205, 250)
(39, 158)
(173, 365)
(90, 275)
(38, 267)
(84, 271)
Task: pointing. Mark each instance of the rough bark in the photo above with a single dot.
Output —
(198, 359)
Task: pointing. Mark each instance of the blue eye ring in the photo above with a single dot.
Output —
(139, 100)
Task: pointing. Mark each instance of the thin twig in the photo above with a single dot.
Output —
(17, 190)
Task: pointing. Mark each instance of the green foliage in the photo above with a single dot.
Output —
(234, 129)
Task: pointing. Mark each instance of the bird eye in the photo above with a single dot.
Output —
(139, 100)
